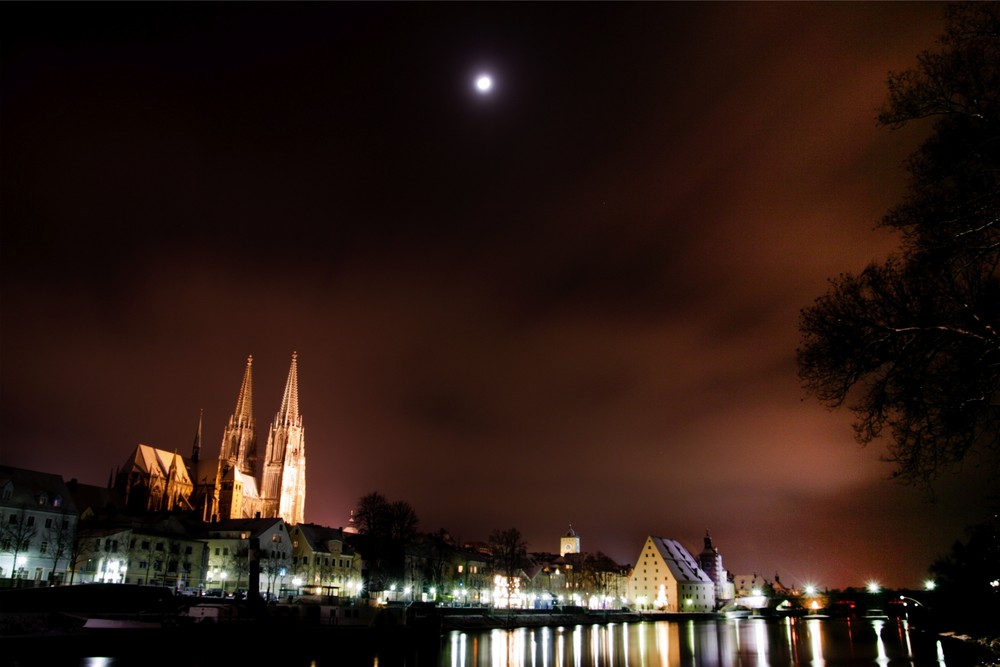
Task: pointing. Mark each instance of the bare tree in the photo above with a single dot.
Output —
(510, 557)
(387, 529)
(912, 345)
(17, 532)
(59, 540)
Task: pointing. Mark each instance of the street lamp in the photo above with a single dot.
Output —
(930, 584)
(874, 587)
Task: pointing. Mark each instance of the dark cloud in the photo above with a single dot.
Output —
(575, 301)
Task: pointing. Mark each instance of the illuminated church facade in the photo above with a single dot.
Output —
(238, 485)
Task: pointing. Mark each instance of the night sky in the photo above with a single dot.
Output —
(573, 300)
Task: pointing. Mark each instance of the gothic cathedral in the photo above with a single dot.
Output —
(278, 487)
(238, 486)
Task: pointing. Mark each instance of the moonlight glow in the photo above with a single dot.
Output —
(484, 83)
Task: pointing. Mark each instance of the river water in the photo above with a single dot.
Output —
(682, 643)
(708, 643)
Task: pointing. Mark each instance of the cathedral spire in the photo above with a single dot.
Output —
(289, 412)
(244, 404)
(196, 448)
(239, 442)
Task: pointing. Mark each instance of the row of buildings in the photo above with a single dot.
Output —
(199, 525)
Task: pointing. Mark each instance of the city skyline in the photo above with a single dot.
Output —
(571, 298)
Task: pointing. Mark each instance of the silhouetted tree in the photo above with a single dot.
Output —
(912, 345)
(59, 537)
(968, 580)
(510, 556)
(601, 574)
(387, 528)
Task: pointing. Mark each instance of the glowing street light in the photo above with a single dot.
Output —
(930, 585)
(874, 587)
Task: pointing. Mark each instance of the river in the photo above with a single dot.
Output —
(709, 643)
(746, 642)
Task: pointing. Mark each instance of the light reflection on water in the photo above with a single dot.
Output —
(722, 643)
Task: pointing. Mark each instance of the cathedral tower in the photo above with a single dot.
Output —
(238, 457)
(283, 488)
(239, 441)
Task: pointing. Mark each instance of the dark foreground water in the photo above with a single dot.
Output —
(708, 643)
(695, 643)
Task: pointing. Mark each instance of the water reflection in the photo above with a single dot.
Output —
(722, 643)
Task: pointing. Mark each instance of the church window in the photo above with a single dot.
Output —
(216, 551)
(31, 521)
(12, 520)
(48, 523)
(145, 545)
(159, 546)
(225, 551)
(43, 548)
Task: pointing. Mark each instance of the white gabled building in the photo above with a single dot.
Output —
(38, 522)
(667, 577)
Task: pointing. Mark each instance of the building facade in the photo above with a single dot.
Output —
(667, 577)
(37, 527)
(323, 563)
(237, 546)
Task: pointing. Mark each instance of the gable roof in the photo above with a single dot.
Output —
(38, 490)
(318, 537)
(158, 462)
(253, 527)
(682, 566)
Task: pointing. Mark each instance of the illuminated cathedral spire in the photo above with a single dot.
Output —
(289, 412)
(239, 442)
(283, 488)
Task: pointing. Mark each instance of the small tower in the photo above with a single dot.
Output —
(569, 543)
(710, 561)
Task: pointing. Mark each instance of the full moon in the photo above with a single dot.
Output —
(484, 83)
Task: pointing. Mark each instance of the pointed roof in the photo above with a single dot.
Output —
(244, 404)
(158, 462)
(678, 560)
(196, 448)
(289, 412)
